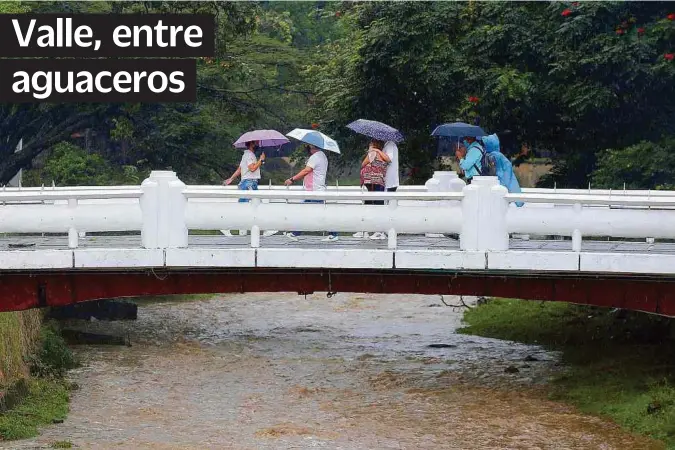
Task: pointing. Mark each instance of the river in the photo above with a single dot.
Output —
(282, 371)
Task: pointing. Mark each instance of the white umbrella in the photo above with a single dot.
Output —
(315, 138)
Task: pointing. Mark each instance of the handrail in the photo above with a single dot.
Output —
(66, 195)
(591, 199)
(322, 195)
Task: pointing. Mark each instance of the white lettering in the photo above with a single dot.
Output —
(47, 39)
(81, 33)
(23, 41)
(25, 81)
(189, 36)
(86, 85)
(57, 83)
(151, 83)
(44, 91)
(175, 78)
(117, 82)
(99, 86)
(117, 35)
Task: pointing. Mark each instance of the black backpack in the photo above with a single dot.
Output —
(487, 163)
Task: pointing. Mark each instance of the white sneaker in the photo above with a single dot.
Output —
(270, 233)
(361, 234)
(291, 236)
(226, 233)
(378, 236)
(330, 238)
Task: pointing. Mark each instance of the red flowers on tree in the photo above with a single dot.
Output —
(566, 12)
(576, 4)
(641, 31)
(619, 31)
(473, 99)
(669, 56)
(338, 13)
(315, 125)
(671, 16)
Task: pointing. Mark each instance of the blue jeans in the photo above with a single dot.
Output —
(298, 233)
(247, 185)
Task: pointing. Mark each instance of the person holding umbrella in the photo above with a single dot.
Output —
(314, 173)
(249, 166)
(467, 151)
(385, 137)
(248, 169)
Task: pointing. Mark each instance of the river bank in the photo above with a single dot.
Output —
(281, 371)
(618, 364)
(34, 360)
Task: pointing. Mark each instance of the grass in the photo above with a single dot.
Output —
(43, 398)
(619, 364)
(46, 402)
(19, 332)
(62, 444)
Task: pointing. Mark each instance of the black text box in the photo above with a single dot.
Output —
(47, 76)
(102, 28)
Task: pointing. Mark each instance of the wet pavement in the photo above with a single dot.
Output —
(282, 371)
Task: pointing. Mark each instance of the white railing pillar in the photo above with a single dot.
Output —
(163, 209)
(484, 208)
(576, 233)
(73, 241)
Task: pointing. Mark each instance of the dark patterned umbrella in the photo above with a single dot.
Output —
(376, 130)
(458, 130)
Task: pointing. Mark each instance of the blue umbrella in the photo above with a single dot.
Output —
(315, 138)
(376, 130)
(458, 130)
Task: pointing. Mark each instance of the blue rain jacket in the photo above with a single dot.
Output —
(503, 166)
(471, 163)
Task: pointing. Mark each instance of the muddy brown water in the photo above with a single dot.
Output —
(282, 371)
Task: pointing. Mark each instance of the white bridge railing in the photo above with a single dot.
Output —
(483, 214)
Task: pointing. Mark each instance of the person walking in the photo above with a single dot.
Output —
(249, 171)
(391, 178)
(373, 172)
(469, 154)
(313, 179)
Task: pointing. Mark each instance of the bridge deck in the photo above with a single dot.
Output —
(313, 242)
(412, 253)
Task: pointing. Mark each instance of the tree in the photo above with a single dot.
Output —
(572, 78)
(645, 165)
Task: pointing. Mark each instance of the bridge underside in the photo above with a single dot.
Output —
(19, 291)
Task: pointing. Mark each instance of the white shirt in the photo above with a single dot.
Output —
(316, 179)
(247, 159)
(391, 176)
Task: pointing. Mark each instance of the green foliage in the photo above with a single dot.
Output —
(62, 444)
(564, 83)
(70, 165)
(47, 401)
(617, 364)
(53, 357)
(645, 165)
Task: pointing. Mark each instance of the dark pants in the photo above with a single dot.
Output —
(392, 189)
(374, 188)
(298, 233)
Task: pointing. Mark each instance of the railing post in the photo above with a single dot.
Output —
(163, 207)
(576, 233)
(73, 240)
(255, 229)
(484, 209)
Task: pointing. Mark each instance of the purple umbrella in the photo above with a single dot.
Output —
(376, 130)
(265, 138)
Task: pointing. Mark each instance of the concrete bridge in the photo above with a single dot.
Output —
(607, 248)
